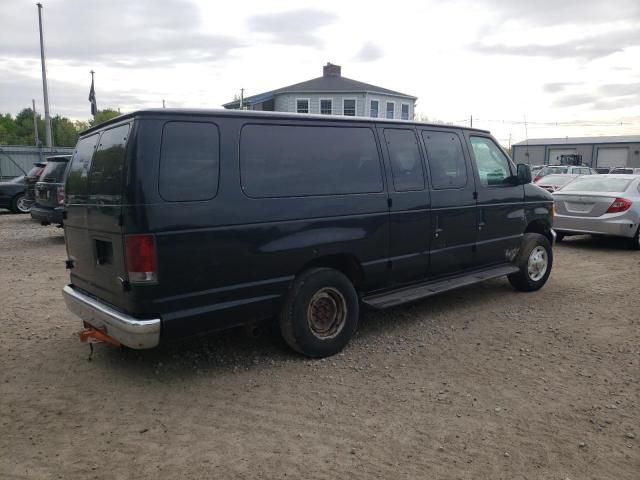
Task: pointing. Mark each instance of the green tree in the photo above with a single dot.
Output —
(104, 115)
(65, 133)
(81, 125)
(19, 130)
(7, 130)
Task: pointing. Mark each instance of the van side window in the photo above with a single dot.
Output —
(492, 165)
(106, 176)
(406, 163)
(292, 161)
(446, 160)
(189, 161)
(77, 187)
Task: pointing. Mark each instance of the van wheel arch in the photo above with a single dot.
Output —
(540, 226)
(346, 264)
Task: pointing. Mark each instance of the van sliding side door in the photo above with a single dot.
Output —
(409, 204)
(453, 203)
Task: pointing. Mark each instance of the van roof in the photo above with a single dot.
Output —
(172, 112)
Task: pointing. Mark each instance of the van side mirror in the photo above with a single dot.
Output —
(524, 174)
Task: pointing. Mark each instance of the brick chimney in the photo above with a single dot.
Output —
(331, 70)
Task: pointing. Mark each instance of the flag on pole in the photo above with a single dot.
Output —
(92, 98)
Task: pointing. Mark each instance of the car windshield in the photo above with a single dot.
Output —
(622, 170)
(598, 184)
(54, 172)
(555, 180)
(19, 179)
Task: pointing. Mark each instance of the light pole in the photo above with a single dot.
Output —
(35, 122)
(47, 117)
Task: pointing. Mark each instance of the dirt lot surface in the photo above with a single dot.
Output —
(481, 383)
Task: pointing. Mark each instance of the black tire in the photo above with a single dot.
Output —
(18, 206)
(634, 243)
(320, 314)
(526, 279)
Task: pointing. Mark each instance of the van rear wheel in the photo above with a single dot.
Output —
(320, 314)
(535, 260)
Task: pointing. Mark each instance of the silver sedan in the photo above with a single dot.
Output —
(599, 205)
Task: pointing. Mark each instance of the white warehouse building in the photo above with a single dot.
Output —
(618, 151)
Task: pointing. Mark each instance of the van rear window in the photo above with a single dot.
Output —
(189, 161)
(54, 171)
(77, 187)
(107, 170)
(292, 161)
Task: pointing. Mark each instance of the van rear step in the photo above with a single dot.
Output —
(409, 294)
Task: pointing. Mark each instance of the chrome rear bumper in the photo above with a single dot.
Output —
(128, 330)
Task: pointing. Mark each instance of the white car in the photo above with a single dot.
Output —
(599, 205)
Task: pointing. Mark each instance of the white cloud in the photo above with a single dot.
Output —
(496, 59)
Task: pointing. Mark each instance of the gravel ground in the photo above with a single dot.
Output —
(483, 382)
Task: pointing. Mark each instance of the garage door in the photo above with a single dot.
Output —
(612, 157)
(554, 154)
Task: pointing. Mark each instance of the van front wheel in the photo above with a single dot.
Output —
(320, 314)
(535, 260)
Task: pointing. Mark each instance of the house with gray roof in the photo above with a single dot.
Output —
(333, 94)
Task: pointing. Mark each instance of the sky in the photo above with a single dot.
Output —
(521, 68)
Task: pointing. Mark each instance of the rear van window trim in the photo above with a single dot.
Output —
(125, 163)
(368, 126)
(70, 193)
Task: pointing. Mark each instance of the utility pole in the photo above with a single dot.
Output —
(35, 122)
(163, 103)
(471, 121)
(47, 117)
(241, 98)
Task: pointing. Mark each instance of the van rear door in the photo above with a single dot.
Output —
(93, 226)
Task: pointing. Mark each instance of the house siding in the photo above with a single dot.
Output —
(287, 103)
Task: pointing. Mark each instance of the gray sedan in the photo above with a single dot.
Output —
(599, 205)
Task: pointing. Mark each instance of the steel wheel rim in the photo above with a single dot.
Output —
(22, 205)
(327, 313)
(538, 263)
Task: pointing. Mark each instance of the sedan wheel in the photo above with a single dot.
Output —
(22, 204)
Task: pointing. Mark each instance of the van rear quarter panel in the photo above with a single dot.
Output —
(230, 260)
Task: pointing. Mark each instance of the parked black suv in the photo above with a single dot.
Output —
(182, 222)
(31, 179)
(49, 191)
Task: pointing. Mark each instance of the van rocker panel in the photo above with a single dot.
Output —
(426, 289)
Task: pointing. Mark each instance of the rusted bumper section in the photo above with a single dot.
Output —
(125, 329)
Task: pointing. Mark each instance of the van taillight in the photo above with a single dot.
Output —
(142, 262)
(60, 195)
(619, 205)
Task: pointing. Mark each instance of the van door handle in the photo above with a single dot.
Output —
(481, 222)
(437, 229)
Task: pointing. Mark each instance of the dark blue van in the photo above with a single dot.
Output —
(182, 222)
